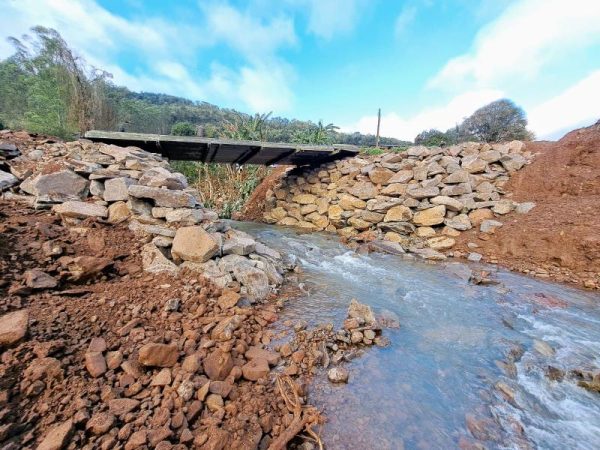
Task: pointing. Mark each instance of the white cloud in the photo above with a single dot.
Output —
(405, 18)
(576, 106)
(525, 37)
(167, 51)
(246, 34)
(440, 117)
(328, 18)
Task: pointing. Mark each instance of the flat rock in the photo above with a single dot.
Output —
(450, 203)
(158, 355)
(488, 226)
(430, 216)
(38, 279)
(163, 197)
(57, 187)
(13, 327)
(121, 406)
(80, 210)
(161, 177)
(7, 180)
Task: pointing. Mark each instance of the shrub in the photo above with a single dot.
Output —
(183, 129)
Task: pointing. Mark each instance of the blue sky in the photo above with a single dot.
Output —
(426, 63)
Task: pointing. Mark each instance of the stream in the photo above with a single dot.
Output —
(445, 362)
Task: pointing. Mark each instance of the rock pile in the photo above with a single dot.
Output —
(81, 180)
(420, 199)
(98, 354)
(323, 346)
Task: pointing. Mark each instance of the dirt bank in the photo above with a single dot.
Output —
(77, 371)
(560, 237)
(254, 208)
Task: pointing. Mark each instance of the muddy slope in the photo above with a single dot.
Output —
(560, 237)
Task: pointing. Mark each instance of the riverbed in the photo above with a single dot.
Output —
(467, 364)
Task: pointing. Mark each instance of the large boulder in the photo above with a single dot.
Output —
(193, 244)
(254, 280)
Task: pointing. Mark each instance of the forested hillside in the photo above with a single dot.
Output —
(46, 88)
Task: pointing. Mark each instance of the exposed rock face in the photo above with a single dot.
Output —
(393, 196)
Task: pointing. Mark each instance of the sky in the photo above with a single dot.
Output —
(425, 63)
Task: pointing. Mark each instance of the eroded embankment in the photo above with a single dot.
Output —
(560, 238)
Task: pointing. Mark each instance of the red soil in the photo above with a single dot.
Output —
(560, 237)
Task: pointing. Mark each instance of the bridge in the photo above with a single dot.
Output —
(193, 148)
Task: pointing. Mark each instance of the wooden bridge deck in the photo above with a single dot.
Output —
(192, 148)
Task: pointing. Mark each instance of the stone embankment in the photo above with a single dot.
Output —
(418, 201)
(80, 180)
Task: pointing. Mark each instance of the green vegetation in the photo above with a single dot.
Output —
(183, 129)
(498, 121)
(46, 88)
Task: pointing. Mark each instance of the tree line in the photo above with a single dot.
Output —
(45, 87)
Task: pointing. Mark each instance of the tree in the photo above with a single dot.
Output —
(248, 128)
(432, 138)
(318, 134)
(183, 129)
(498, 121)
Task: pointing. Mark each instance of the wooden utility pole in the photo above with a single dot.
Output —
(378, 124)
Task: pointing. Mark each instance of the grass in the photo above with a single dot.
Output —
(222, 187)
(379, 151)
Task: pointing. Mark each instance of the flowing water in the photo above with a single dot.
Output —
(443, 362)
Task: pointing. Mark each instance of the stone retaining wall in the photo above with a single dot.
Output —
(420, 199)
